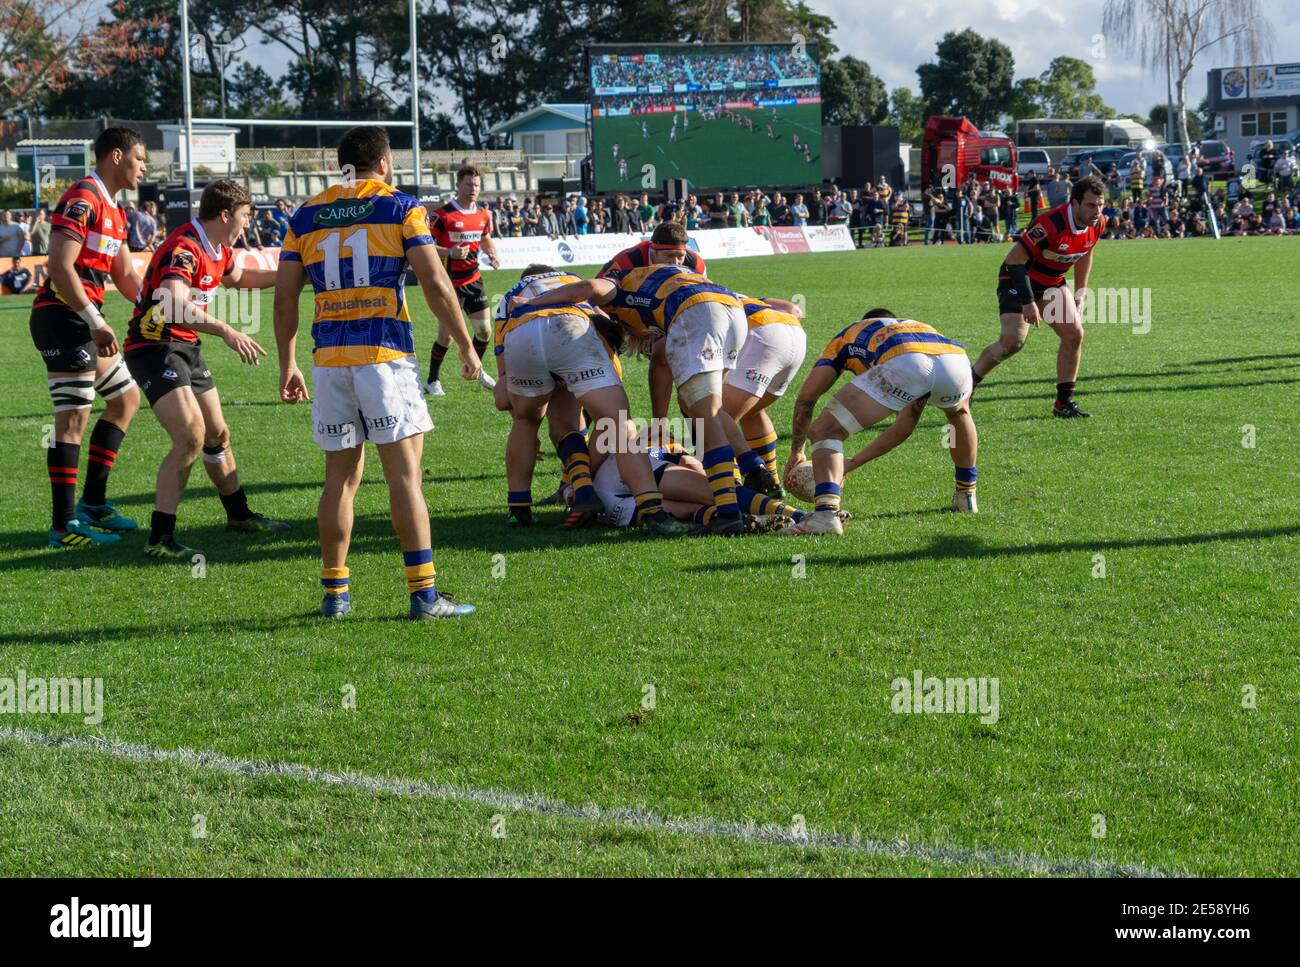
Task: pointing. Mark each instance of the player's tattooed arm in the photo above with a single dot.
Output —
(821, 379)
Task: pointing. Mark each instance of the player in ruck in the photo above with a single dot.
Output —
(1032, 289)
(668, 245)
(79, 349)
(460, 228)
(162, 351)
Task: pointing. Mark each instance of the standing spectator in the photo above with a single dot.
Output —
(141, 228)
(1158, 205)
(647, 213)
(1112, 181)
(816, 210)
(1034, 192)
(899, 214)
(798, 211)
(581, 218)
(1267, 160)
(1009, 204)
(40, 232)
(780, 210)
(761, 215)
(1058, 190)
(937, 218)
(1184, 175)
(549, 223)
(532, 217)
(1087, 168)
(17, 279)
(12, 236)
(621, 219)
(1284, 170)
(1137, 178)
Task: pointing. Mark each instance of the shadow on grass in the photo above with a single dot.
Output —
(1164, 373)
(373, 533)
(965, 547)
(1086, 390)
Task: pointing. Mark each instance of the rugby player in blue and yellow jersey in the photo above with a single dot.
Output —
(354, 242)
(544, 349)
(898, 366)
(704, 325)
(774, 350)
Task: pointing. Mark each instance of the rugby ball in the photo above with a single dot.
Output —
(799, 481)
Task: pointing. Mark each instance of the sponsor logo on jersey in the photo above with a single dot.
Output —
(346, 211)
(639, 301)
(183, 260)
(78, 211)
(169, 374)
(754, 376)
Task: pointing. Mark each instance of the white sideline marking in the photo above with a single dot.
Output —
(641, 819)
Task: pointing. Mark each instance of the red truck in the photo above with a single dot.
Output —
(952, 149)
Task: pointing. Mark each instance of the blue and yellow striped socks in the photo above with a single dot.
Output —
(420, 574)
(335, 581)
(720, 466)
(648, 503)
(764, 447)
(965, 480)
(827, 496)
(576, 458)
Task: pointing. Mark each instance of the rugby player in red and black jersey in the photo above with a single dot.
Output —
(1031, 286)
(162, 351)
(87, 248)
(669, 245)
(460, 228)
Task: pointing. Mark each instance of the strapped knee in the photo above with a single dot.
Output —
(840, 413)
(700, 386)
(115, 382)
(72, 392)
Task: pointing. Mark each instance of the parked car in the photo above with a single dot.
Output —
(1103, 158)
(1216, 158)
(1032, 161)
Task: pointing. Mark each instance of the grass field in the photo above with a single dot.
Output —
(715, 152)
(1157, 704)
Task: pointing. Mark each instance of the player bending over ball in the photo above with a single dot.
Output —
(542, 349)
(1031, 286)
(364, 371)
(162, 351)
(705, 328)
(898, 366)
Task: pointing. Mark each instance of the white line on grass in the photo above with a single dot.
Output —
(640, 819)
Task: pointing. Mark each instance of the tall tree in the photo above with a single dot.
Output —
(908, 113)
(46, 47)
(851, 93)
(1067, 89)
(1174, 33)
(972, 76)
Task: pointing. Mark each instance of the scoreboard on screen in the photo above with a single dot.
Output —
(718, 115)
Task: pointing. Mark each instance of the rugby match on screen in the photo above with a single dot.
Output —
(648, 440)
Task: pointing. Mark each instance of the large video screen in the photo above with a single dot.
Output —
(720, 116)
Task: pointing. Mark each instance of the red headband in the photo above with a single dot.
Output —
(667, 248)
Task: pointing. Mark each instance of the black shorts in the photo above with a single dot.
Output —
(161, 368)
(471, 297)
(1009, 302)
(63, 339)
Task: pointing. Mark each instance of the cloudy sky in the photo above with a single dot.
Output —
(894, 36)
